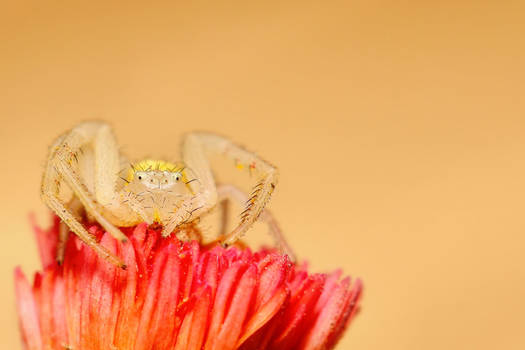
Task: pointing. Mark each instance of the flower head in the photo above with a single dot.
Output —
(177, 295)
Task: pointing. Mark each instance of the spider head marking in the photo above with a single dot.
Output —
(158, 180)
(158, 175)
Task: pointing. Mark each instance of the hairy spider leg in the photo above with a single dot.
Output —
(195, 150)
(233, 193)
(50, 191)
(63, 164)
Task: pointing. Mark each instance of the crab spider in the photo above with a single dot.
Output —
(87, 161)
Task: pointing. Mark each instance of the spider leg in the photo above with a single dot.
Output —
(50, 198)
(189, 209)
(225, 212)
(197, 146)
(121, 206)
(64, 160)
(75, 207)
(63, 235)
(62, 165)
(231, 192)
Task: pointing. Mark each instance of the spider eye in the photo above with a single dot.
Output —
(177, 177)
(140, 177)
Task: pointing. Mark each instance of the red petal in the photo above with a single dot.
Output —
(192, 331)
(263, 315)
(160, 306)
(46, 240)
(59, 309)
(327, 321)
(86, 273)
(240, 304)
(209, 272)
(275, 270)
(27, 310)
(78, 262)
(221, 301)
(128, 317)
(52, 310)
(300, 313)
(104, 300)
(351, 308)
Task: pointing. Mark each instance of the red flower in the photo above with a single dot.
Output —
(177, 295)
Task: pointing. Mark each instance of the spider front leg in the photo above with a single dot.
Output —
(50, 197)
(197, 146)
(75, 207)
(81, 172)
(189, 209)
(102, 168)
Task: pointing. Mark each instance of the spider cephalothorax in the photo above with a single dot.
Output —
(162, 188)
(86, 159)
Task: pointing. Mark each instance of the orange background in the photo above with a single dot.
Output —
(398, 130)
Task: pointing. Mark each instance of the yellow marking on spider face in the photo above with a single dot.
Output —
(239, 166)
(158, 165)
(154, 165)
(156, 216)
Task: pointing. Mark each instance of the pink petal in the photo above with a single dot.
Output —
(299, 313)
(192, 331)
(59, 310)
(128, 317)
(263, 315)
(351, 308)
(46, 240)
(89, 264)
(47, 320)
(27, 310)
(76, 285)
(327, 321)
(159, 311)
(239, 307)
(226, 284)
(274, 271)
(104, 300)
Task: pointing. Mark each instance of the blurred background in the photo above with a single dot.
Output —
(398, 129)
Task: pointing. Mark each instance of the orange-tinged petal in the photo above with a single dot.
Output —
(239, 307)
(298, 315)
(274, 271)
(221, 302)
(104, 304)
(160, 301)
(326, 321)
(264, 314)
(193, 329)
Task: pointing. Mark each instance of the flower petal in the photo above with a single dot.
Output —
(328, 320)
(299, 314)
(130, 303)
(157, 321)
(178, 295)
(105, 301)
(225, 286)
(46, 240)
(193, 328)
(239, 307)
(263, 315)
(28, 312)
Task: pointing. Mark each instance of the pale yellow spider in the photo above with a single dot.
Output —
(116, 193)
